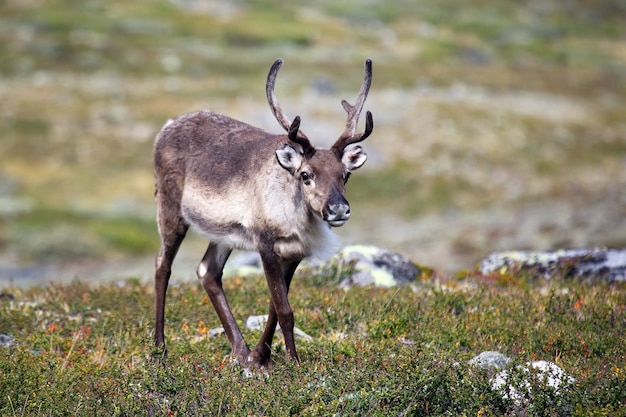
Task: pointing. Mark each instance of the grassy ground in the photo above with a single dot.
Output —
(489, 118)
(84, 350)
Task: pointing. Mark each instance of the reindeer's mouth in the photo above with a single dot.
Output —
(336, 214)
(337, 223)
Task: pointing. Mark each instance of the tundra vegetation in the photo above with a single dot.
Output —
(80, 349)
(503, 129)
(492, 117)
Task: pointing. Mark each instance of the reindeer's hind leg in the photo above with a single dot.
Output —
(210, 274)
(172, 230)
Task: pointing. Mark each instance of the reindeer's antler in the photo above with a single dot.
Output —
(291, 127)
(298, 137)
(271, 96)
(350, 136)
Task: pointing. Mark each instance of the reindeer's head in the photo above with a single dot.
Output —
(323, 173)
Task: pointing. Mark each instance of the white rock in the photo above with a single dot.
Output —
(518, 387)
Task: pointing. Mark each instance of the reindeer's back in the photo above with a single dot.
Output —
(207, 143)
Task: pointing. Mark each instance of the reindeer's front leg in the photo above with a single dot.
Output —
(279, 288)
(262, 352)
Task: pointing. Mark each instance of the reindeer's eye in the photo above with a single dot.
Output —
(306, 177)
(346, 177)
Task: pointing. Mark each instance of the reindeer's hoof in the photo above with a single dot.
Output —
(261, 359)
(255, 372)
(158, 354)
(241, 357)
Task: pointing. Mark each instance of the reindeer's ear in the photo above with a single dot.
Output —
(353, 158)
(289, 158)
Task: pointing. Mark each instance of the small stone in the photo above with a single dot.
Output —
(490, 359)
(257, 323)
(407, 342)
(6, 340)
(216, 331)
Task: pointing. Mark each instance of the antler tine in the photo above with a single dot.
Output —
(292, 128)
(295, 136)
(350, 136)
(355, 111)
(271, 96)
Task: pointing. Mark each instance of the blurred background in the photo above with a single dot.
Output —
(498, 124)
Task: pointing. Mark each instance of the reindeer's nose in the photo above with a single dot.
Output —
(337, 214)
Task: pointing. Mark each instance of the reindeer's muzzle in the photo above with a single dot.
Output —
(337, 214)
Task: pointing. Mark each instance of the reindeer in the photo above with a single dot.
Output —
(247, 189)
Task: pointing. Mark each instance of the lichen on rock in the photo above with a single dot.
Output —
(372, 265)
(593, 264)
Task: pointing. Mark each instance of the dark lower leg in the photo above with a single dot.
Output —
(165, 257)
(210, 274)
(262, 352)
